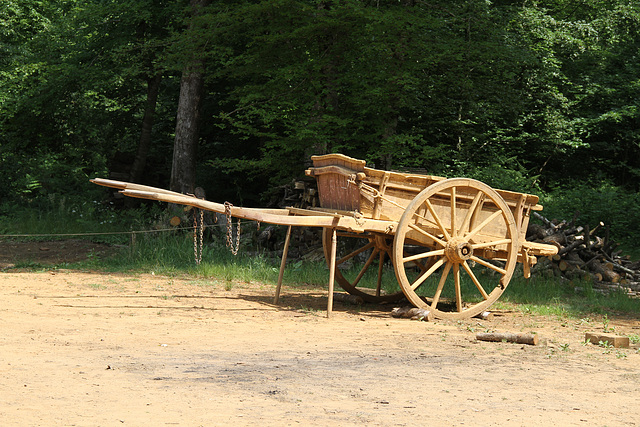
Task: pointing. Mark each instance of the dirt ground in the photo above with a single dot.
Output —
(90, 349)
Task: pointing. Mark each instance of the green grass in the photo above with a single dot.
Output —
(549, 297)
(63, 223)
(173, 254)
(63, 219)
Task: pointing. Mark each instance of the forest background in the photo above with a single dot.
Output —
(235, 96)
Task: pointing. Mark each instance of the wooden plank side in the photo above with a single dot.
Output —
(333, 158)
(413, 183)
(335, 190)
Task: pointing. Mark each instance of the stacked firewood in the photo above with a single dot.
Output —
(298, 194)
(585, 254)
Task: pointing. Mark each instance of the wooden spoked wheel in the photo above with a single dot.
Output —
(361, 258)
(469, 233)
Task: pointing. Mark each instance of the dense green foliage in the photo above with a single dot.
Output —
(530, 96)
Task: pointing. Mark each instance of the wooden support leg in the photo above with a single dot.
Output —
(332, 271)
(282, 265)
(526, 266)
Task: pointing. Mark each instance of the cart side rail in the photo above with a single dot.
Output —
(293, 217)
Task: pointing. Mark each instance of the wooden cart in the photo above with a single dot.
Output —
(453, 243)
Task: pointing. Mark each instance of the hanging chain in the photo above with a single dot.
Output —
(197, 236)
(230, 245)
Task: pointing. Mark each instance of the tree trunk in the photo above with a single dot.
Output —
(183, 168)
(140, 161)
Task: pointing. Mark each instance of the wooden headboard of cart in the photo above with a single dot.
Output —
(333, 173)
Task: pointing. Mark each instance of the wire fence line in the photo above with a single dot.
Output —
(97, 234)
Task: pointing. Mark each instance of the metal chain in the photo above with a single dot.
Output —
(230, 245)
(197, 236)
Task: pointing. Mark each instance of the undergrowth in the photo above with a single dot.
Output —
(62, 218)
(173, 253)
(575, 299)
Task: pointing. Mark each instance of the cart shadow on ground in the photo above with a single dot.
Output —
(314, 303)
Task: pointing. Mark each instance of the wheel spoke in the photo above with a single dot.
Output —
(437, 219)
(456, 281)
(484, 224)
(380, 265)
(439, 252)
(466, 224)
(443, 279)
(429, 235)
(356, 252)
(488, 264)
(425, 219)
(475, 280)
(363, 244)
(365, 267)
(494, 243)
(454, 232)
(420, 265)
(428, 273)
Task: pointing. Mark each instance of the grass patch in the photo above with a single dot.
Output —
(172, 253)
(90, 220)
(547, 296)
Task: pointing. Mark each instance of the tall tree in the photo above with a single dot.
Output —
(183, 167)
(144, 144)
(151, 32)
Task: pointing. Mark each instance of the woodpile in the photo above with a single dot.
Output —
(298, 194)
(585, 254)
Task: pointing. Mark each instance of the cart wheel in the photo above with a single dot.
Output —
(469, 232)
(372, 249)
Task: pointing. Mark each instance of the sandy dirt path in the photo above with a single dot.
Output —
(90, 349)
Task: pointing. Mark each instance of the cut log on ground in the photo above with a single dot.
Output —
(530, 339)
(348, 298)
(412, 313)
(607, 273)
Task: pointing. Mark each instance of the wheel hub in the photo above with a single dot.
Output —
(458, 250)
